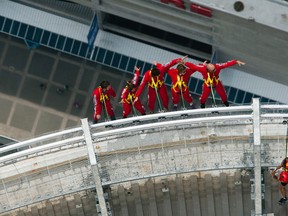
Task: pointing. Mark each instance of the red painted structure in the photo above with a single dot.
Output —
(194, 8)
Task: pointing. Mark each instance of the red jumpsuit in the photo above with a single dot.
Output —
(100, 99)
(211, 79)
(180, 83)
(283, 177)
(128, 98)
(156, 83)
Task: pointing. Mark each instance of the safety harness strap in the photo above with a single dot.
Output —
(210, 81)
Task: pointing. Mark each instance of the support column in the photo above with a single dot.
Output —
(94, 167)
(152, 199)
(239, 192)
(137, 198)
(195, 196)
(181, 197)
(224, 194)
(257, 156)
(210, 195)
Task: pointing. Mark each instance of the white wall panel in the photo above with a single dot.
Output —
(268, 12)
(247, 82)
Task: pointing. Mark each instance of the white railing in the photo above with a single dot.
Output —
(140, 147)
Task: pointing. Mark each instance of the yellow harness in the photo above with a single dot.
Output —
(130, 98)
(180, 83)
(209, 81)
(286, 166)
(154, 84)
(103, 97)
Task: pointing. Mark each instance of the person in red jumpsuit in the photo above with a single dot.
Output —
(210, 73)
(101, 99)
(282, 178)
(128, 96)
(156, 87)
(180, 77)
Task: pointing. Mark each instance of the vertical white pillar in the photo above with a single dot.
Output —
(94, 167)
(257, 156)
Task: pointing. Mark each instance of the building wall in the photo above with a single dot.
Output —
(42, 90)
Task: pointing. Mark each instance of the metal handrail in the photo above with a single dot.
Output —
(173, 114)
(27, 143)
(169, 123)
(40, 149)
(128, 128)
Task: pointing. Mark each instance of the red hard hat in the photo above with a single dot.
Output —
(283, 177)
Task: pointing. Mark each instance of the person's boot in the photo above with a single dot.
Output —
(202, 105)
(226, 103)
(282, 200)
(151, 112)
(191, 106)
(175, 107)
(95, 121)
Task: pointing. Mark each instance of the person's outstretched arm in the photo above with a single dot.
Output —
(229, 64)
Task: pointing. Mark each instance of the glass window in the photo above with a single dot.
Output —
(232, 94)
(108, 57)
(147, 66)
(199, 87)
(2, 19)
(256, 96)
(123, 63)
(116, 60)
(7, 25)
(131, 64)
(23, 29)
(139, 64)
(168, 80)
(83, 50)
(95, 53)
(248, 98)
(60, 42)
(227, 89)
(38, 35)
(30, 33)
(192, 84)
(240, 96)
(68, 45)
(264, 100)
(100, 55)
(76, 47)
(53, 40)
(15, 27)
(45, 37)
(272, 101)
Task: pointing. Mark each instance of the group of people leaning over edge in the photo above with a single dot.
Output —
(154, 79)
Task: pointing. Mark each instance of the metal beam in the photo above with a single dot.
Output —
(160, 16)
(94, 167)
(257, 156)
